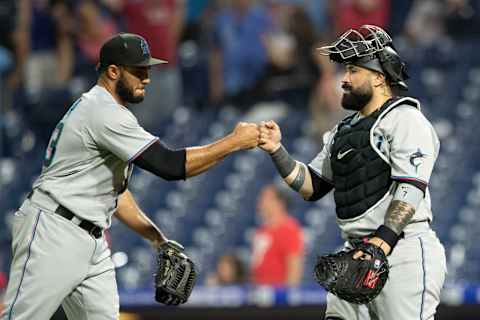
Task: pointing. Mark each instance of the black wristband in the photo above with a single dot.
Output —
(388, 235)
(283, 161)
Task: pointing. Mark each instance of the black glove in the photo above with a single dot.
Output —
(175, 275)
(358, 281)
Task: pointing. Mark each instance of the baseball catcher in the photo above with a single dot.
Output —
(357, 280)
(175, 275)
(378, 162)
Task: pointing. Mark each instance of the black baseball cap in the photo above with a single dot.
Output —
(126, 49)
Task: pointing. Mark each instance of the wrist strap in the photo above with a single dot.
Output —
(388, 235)
(174, 245)
(283, 162)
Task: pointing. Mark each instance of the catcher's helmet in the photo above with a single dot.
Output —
(370, 47)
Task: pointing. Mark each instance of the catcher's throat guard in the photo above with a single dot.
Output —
(356, 281)
(175, 276)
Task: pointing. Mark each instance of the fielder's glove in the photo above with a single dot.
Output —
(175, 275)
(357, 281)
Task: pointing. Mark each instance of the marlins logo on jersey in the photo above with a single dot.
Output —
(416, 159)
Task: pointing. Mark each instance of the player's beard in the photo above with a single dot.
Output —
(125, 93)
(358, 98)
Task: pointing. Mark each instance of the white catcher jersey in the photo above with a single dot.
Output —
(89, 157)
(406, 140)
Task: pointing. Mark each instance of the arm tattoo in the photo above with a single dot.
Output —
(297, 183)
(283, 161)
(398, 215)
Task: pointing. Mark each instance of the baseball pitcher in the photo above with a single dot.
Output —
(60, 255)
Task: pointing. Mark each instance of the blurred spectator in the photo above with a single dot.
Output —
(44, 62)
(193, 53)
(238, 56)
(278, 245)
(230, 271)
(463, 18)
(291, 71)
(195, 9)
(94, 25)
(7, 53)
(13, 30)
(325, 105)
(44, 33)
(7, 27)
(425, 24)
(319, 12)
(398, 11)
(349, 14)
(161, 23)
(93, 30)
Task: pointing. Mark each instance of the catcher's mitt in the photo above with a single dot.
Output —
(358, 281)
(175, 275)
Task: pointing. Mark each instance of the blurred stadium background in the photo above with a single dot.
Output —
(242, 60)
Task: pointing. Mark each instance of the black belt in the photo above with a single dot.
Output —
(86, 225)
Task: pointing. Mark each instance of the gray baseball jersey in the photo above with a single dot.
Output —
(87, 165)
(88, 160)
(406, 140)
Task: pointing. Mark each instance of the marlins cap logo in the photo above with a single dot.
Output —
(145, 48)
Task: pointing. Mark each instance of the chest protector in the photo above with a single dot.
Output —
(361, 174)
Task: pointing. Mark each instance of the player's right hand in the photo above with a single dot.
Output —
(247, 135)
(270, 136)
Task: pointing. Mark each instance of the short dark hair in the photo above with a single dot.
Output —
(239, 266)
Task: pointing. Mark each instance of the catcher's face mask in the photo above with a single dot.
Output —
(369, 47)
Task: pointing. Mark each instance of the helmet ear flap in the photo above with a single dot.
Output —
(394, 67)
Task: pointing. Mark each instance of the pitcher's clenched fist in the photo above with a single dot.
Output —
(247, 135)
(270, 136)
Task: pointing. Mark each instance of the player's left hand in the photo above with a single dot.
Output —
(375, 241)
(354, 280)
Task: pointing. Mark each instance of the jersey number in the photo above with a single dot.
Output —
(52, 145)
